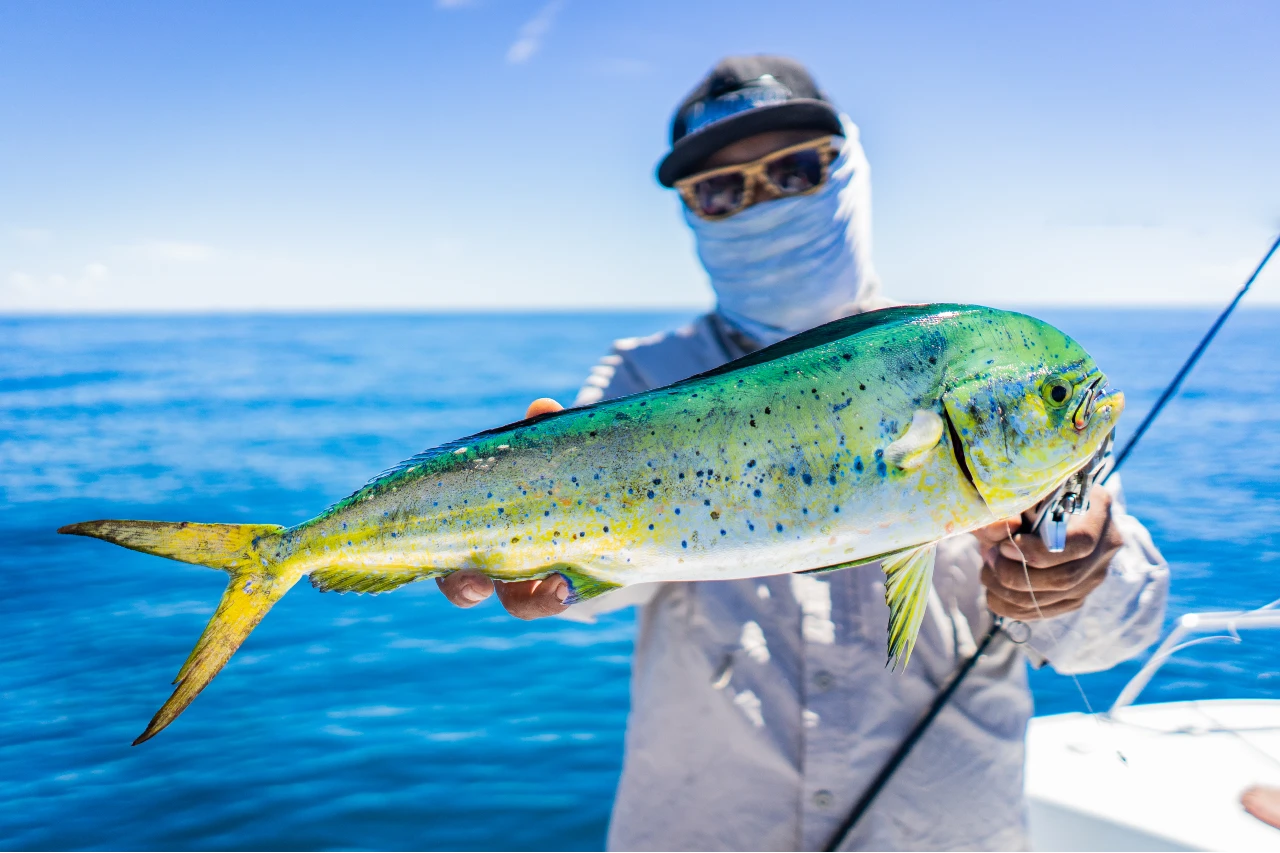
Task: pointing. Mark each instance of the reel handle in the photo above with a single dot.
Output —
(1071, 498)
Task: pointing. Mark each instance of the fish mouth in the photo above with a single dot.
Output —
(1108, 403)
(957, 449)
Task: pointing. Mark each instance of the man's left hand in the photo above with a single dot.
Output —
(1059, 583)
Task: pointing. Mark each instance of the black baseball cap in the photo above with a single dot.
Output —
(743, 96)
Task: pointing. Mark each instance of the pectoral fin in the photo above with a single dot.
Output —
(908, 579)
(922, 436)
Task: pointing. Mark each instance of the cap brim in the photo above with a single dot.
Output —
(800, 114)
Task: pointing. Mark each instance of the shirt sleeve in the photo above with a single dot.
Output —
(1121, 617)
(611, 377)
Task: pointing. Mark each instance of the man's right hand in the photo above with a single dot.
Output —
(523, 599)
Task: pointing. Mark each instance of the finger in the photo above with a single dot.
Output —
(1082, 539)
(1030, 547)
(542, 406)
(1010, 610)
(464, 588)
(1010, 574)
(994, 534)
(1084, 532)
(1030, 600)
(534, 599)
(1027, 600)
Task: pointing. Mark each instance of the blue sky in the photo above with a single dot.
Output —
(500, 153)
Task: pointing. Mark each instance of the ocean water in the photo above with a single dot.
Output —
(397, 721)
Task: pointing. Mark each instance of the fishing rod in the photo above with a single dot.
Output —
(1071, 498)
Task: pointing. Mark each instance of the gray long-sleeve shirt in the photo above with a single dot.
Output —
(761, 709)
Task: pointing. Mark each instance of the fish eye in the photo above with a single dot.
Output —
(1057, 392)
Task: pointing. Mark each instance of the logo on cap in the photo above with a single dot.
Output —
(760, 92)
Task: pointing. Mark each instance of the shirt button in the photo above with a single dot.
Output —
(822, 799)
(823, 680)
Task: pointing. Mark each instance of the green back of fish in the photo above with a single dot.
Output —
(893, 342)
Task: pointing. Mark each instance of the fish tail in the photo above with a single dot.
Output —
(257, 583)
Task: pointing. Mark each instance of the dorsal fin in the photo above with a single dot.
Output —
(833, 331)
(460, 452)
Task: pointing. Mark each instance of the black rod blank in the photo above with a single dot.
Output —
(1173, 387)
(882, 778)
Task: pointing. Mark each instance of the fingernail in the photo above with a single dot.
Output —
(470, 593)
(562, 591)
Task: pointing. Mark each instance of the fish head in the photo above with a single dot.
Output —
(1027, 407)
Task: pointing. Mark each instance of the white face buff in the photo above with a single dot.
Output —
(783, 266)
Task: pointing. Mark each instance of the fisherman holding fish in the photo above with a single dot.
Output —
(748, 507)
(762, 708)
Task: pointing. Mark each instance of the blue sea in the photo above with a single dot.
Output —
(399, 722)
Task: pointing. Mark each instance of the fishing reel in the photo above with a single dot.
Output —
(1071, 498)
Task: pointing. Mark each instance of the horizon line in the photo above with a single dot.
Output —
(454, 310)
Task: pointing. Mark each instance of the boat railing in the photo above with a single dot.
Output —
(1230, 621)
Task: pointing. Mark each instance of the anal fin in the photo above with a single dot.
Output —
(365, 581)
(908, 579)
(853, 564)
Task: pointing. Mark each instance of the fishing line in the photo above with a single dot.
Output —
(1026, 573)
(1084, 697)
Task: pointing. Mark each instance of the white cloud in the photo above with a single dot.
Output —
(454, 4)
(33, 236)
(25, 290)
(533, 32)
(169, 251)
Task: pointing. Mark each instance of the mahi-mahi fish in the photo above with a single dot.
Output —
(866, 440)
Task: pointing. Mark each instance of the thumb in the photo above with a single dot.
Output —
(542, 406)
(1000, 531)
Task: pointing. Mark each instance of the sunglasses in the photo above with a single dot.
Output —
(792, 171)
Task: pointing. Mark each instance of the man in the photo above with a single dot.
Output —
(761, 709)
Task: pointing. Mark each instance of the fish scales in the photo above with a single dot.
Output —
(868, 439)
(774, 469)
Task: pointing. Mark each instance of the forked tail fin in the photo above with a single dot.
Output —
(256, 585)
